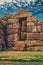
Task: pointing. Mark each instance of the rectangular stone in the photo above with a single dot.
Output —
(33, 43)
(42, 27)
(24, 28)
(39, 28)
(29, 14)
(16, 25)
(34, 29)
(13, 37)
(29, 19)
(33, 36)
(34, 18)
(18, 48)
(29, 28)
(12, 31)
(24, 22)
(30, 23)
(41, 36)
(12, 21)
(23, 35)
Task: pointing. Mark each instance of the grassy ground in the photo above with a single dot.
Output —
(21, 58)
(20, 63)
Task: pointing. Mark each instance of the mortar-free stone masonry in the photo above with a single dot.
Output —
(21, 31)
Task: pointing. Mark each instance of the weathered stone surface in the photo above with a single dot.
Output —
(30, 23)
(29, 19)
(19, 45)
(39, 28)
(34, 29)
(41, 36)
(24, 28)
(22, 31)
(33, 36)
(23, 36)
(34, 19)
(29, 28)
(12, 37)
(12, 31)
(12, 21)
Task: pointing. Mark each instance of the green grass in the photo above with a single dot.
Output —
(21, 57)
(20, 63)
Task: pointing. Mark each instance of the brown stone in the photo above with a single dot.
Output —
(13, 37)
(34, 19)
(30, 23)
(29, 28)
(1, 27)
(11, 43)
(16, 25)
(38, 28)
(27, 43)
(18, 48)
(12, 31)
(34, 29)
(33, 43)
(24, 23)
(22, 15)
(0, 47)
(23, 35)
(19, 44)
(29, 19)
(41, 36)
(29, 14)
(42, 27)
(12, 21)
(33, 36)
(12, 15)
(24, 28)
(22, 11)
(1, 32)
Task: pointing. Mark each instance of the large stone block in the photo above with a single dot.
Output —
(12, 31)
(13, 37)
(24, 23)
(41, 36)
(30, 23)
(39, 28)
(33, 36)
(29, 14)
(19, 44)
(0, 47)
(42, 27)
(33, 43)
(16, 25)
(29, 28)
(29, 19)
(12, 15)
(11, 43)
(34, 29)
(1, 27)
(24, 28)
(22, 11)
(12, 21)
(23, 35)
(18, 48)
(34, 19)
(1, 32)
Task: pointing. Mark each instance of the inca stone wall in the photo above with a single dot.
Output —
(24, 32)
(2, 39)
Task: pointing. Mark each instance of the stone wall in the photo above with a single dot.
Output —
(24, 31)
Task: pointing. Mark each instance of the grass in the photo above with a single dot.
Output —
(21, 57)
(20, 63)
